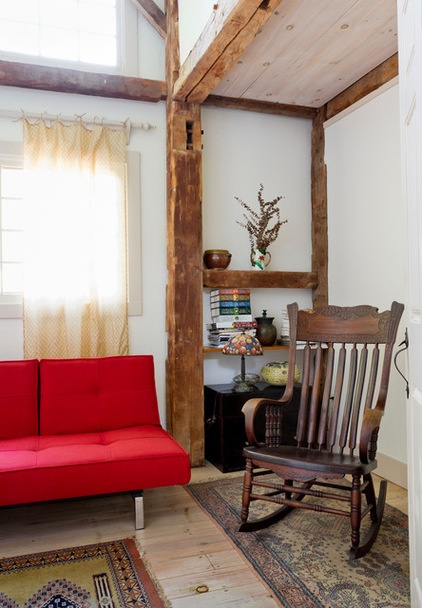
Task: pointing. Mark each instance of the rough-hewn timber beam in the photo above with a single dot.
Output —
(266, 107)
(153, 14)
(319, 210)
(377, 77)
(184, 301)
(233, 25)
(82, 83)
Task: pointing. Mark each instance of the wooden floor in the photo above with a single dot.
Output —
(183, 547)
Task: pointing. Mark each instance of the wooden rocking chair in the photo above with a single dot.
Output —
(346, 367)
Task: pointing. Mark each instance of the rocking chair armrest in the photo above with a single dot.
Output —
(250, 410)
(369, 434)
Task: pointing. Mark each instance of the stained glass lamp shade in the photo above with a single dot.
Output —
(243, 345)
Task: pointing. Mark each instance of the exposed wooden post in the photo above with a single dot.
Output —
(185, 376)
(319, 209)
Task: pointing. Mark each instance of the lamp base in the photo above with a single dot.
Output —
(248, 378)
(243, 388)
(245, 383)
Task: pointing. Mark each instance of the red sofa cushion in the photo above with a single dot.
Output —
(18, 398)
(52, 467)
(85, 395)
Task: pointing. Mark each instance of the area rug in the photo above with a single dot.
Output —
(103, 575)
(304, 559)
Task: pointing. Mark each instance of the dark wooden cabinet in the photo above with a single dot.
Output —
(225, 424)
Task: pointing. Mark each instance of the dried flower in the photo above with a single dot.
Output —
(263, 226)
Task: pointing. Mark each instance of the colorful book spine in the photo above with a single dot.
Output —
(230, 291)
(232, 318)
(236, 304)
(235, 297)
(245, 324)
(218, 325)
(215, 312)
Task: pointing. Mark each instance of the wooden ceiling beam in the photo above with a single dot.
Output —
(153, 14)
(233, 25)
(266, 107)
(376, 78)
(82, 83)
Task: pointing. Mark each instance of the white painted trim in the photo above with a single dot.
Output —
(391, 469)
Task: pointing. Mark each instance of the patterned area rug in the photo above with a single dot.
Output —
(104, 575)
(304, 559)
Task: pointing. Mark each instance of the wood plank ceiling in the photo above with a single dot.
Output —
(309, 52)
(301, 53)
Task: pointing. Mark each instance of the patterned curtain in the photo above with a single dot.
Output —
(75, 286)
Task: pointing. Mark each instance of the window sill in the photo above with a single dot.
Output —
(10, 311)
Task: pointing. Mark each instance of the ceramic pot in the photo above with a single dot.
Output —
(217, 259)
(276, 373)
(266, 332)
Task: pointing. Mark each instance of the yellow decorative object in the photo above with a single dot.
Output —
(276, 373)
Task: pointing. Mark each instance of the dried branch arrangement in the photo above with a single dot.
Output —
(263, 226)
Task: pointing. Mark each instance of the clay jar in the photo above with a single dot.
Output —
(217, 259)
(266, 332)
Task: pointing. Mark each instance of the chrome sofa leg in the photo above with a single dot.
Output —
(139, 511)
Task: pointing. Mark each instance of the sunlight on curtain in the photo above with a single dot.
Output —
(75, 288)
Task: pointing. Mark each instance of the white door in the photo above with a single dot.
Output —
(410, 70)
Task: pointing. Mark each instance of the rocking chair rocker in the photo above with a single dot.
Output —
(346, 367)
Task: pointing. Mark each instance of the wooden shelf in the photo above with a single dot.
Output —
(212, 349)
(260, 278)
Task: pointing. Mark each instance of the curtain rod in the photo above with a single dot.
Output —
(82, 118)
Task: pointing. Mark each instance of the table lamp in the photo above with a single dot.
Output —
(246, 346)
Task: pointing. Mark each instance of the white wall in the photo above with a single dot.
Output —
(242, 150)
(366, 228)
(193, 16)
(147, 331)
(365, 211)
(151, 49)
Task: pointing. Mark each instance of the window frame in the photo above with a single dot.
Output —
(127, 48)
(11, 155)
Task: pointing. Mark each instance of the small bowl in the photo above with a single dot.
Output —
(217, 259)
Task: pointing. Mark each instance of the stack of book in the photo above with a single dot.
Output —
(231, 304)
(217, 337)
(285, 330)
(285, 327)
(230, 314)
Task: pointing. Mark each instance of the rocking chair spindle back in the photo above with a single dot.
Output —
(345, 375)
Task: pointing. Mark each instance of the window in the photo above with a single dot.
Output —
(66, 32)
(11, 231)
(11, 225)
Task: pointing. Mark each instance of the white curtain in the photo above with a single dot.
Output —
(75, 285)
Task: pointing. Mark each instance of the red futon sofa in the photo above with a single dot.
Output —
(84, 427)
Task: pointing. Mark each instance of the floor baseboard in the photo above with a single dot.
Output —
(391, 469)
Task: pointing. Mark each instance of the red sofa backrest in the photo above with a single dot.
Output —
(97, 394)
(18, 398)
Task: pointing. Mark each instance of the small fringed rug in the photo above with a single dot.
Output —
(304, 559)
(103, 575)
